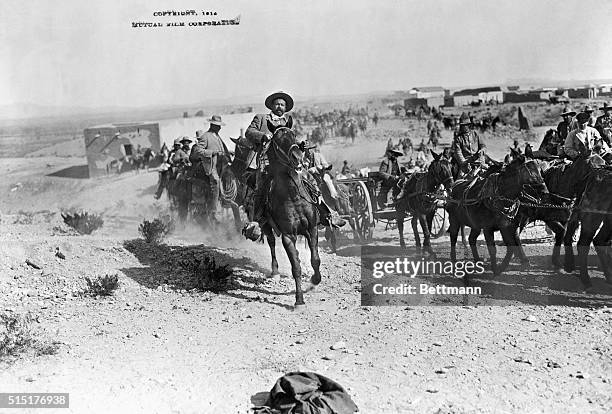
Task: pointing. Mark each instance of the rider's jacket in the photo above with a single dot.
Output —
(255, 133)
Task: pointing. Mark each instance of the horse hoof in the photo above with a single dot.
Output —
(274, 276)
(299, 308)
(315, 280)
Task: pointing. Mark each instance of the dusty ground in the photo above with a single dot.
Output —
(158, 345)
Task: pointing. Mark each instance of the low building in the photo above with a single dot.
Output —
(109, 144)
(428, 92)
(525, 96)
(588, 92)
(487, 95)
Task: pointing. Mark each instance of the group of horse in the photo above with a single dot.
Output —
(135, 162)
(506, 197)
(502, 197)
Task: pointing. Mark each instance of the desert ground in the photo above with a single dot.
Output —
(158, 345)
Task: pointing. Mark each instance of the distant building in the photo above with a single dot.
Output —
(428, 92)
(114, 144)
(605, 89)
(465, 97)
(588, 92)
(526, 96)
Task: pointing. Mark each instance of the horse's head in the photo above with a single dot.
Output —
(440, 169)
(284, 150)
(523, 175)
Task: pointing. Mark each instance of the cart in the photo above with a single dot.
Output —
(366, 212)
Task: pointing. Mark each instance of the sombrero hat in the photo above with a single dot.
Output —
(186, 138)
(394, 150)
(216, 120)
(606, 107)
(282, 95)
(568, 112)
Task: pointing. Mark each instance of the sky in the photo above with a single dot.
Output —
(78, 53)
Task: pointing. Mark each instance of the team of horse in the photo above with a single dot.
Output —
(502, 197)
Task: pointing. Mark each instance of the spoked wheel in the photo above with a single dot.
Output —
(439, 222)
(364, 216)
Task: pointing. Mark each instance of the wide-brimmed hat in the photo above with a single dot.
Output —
(186, 138)
(464, 120)
(606, 107)
(567, 111)
(282, 95)
(583, 117)
(588, 108)
(216, 120)
(394, 150)
(177, 141)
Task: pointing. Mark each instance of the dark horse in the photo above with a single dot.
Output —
(418, 198)
(593, 210)
(565, 182)
(491, 204)
(292, 209)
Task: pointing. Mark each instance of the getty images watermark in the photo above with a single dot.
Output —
(391, 276)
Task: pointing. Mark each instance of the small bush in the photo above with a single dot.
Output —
(102, 285)
(15, 334)
(84, 223)
(155, 231)
(208, 275)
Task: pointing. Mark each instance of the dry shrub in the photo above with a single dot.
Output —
(208, 275)
(102, 285)
(15, 334)
(156, 230)
(84, 222)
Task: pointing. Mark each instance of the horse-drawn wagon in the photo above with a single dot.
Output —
(366, 212)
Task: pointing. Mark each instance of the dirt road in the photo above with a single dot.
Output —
(158, 345)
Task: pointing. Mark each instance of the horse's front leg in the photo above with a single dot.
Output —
(315, 261)
(474, 233)
(415, 230)
(294, 258)
(426, 236)
(489, 234)
(559, 231)
(399, 220)
(272, 243)
(568, 241)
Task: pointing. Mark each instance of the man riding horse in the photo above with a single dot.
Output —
(259, 135)
(467, 146)
(207, 157)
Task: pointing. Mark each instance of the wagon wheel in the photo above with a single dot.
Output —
(438, 224)
(364, 215)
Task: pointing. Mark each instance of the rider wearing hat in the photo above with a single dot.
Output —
(467, 145)
(205, 156)
(585, 139)
(180, 157)
(389, 172)
(588, 109)
(165, 171)
(564, 126)
(258, 135)
(604, 124)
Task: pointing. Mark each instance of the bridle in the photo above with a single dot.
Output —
(284, 157)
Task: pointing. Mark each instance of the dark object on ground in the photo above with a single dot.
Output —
(34, 264)
(307, 393)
